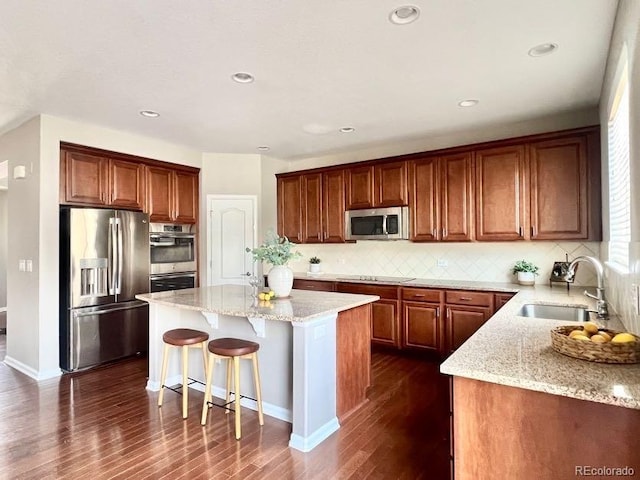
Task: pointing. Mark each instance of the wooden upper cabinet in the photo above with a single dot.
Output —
(312, 231)
(390, 182)
(185, 208)
(440, 198)
(85, 177)
(359, 186)
(501, 193)
(456, 207)
(559, 199)
(290, 206)
(423, 199)
(160, 194)
(127, 184)
(333, 206)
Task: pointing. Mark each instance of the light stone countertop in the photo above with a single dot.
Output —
(237, 301)
(516, 351)
(415, 282)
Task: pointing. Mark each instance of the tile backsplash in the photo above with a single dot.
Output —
(491, 262)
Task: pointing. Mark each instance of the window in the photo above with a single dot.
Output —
(619, 183)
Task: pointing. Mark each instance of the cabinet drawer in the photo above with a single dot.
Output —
(383, 291)
(422, 295)
(478, 299)
(318, 285)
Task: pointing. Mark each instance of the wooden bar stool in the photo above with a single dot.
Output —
(185, 338)
(233, 349)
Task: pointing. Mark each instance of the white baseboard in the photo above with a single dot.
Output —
(306, 444)
(269, 409)
(31, 372)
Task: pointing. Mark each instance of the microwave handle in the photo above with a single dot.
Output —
(384, 225)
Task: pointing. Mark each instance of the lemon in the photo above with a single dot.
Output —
(590, 327)
(272, 293)
(581, 337)
(598, 339)
(262, 296)
(623, 338)
(576, 332)
(604, 334)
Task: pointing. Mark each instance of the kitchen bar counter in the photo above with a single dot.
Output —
(516, 351)
(314, 353)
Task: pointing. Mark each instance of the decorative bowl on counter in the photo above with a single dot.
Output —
(608, 352)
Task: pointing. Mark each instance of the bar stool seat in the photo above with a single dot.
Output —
(233, 349)
(184, 338)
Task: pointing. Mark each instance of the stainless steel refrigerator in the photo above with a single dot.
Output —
(104, 263)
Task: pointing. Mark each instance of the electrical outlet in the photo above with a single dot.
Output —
(22, 265)
(442, 262)
(29, 265)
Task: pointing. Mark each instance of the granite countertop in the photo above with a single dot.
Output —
(237, 301)
(516, 351)
(413, 282)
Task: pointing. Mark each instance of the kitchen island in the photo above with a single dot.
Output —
(314, 350)
(522, 410)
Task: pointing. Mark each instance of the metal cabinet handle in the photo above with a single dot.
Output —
(418, 295)
(434, 233)
(448, 312)
(326, 235)
(437, 312)
(466, 299)
(533, 230)
(520, 231)
(319, 235)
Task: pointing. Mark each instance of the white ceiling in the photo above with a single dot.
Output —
(327, 64)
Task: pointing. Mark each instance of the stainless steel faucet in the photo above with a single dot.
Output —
(601, 304)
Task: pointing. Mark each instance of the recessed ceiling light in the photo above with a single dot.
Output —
(242, 77)
(468, 103)
(404, 15)
(149, 113)
(347, 130)
(264, 148)
(544, 49)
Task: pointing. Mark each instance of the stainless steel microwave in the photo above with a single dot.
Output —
(377, 224)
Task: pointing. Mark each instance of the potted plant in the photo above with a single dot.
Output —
(278, 251)
(526, 272)
(314, 265)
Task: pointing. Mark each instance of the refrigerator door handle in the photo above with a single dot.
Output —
(108, 310)
(112, 256)
(120, 255)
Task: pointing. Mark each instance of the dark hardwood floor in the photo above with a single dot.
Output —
(104, 424)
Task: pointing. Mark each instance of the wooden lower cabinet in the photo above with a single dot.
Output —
(501, 299)
(421, 326)
(317, 285)
(506, 432)
(384, 325)
(462, 322)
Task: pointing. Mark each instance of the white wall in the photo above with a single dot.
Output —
(3, 248)
(564, 121)
(21, 146)
(626, 32)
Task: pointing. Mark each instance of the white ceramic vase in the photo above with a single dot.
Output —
(280, 280)
(526, 278)
(314, 268)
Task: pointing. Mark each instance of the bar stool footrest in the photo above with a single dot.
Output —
(178, 388)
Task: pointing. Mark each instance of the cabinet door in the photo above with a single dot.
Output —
(86, 179)
(160, 194)
(421, 322)
(462, 322)
(360, 187)
(456, 200)
(500, 194)
(186, 197)
(501, 299)
(126, 180)
(290, 208)
(391, 184)
(423, 199)
(333, 206)
(559, 200)
(384, 324)
(312, 208)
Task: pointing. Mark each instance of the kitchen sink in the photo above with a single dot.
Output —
(554, 312)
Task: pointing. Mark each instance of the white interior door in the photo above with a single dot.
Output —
(231, 230)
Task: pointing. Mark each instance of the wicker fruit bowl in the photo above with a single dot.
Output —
(595, 352)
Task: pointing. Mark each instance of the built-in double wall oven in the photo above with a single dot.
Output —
(173, 257)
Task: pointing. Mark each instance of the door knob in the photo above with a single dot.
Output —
(248, 274)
